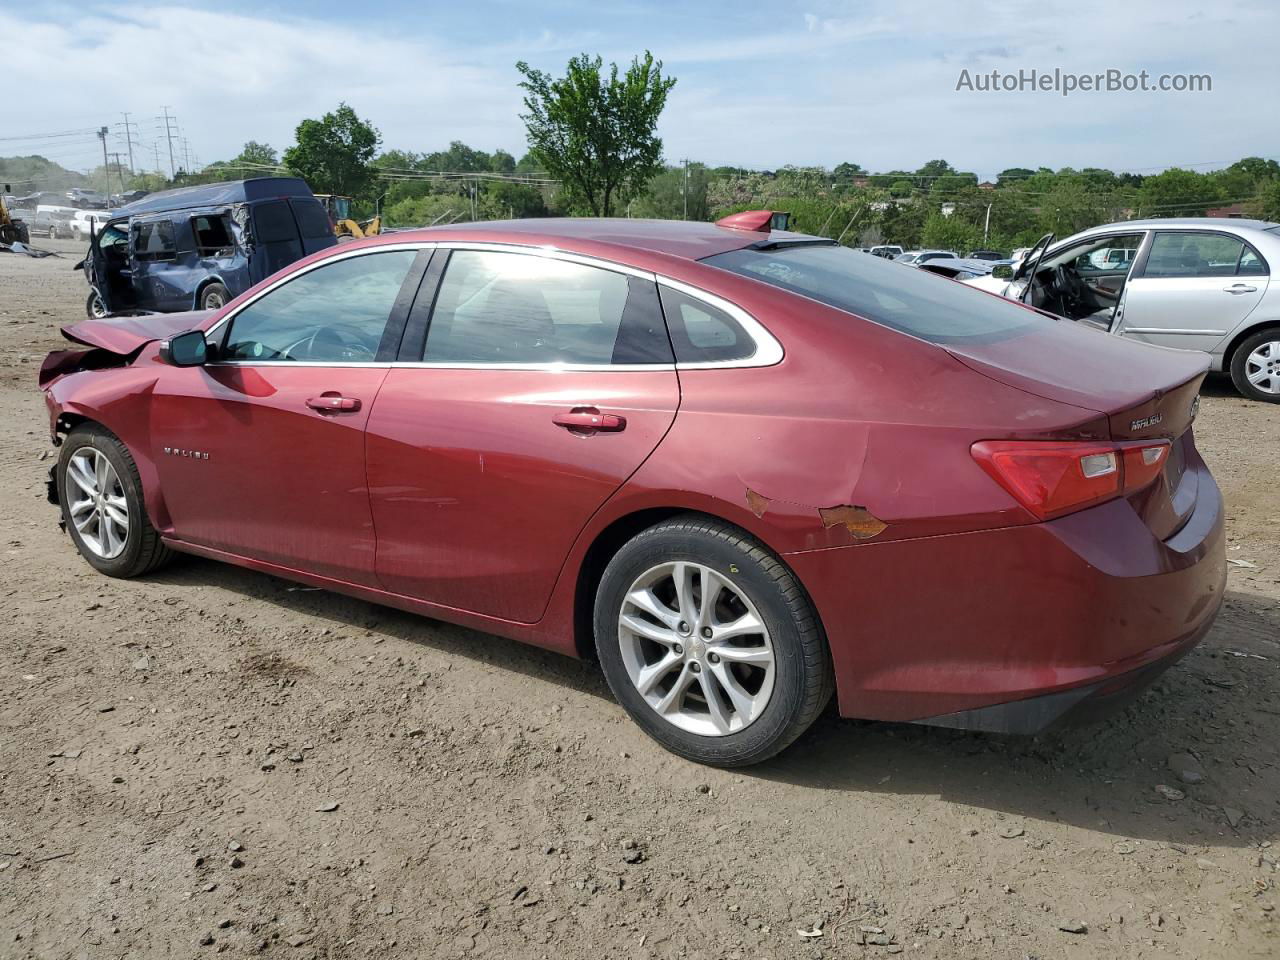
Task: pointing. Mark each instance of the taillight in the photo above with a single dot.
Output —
(1051, 479)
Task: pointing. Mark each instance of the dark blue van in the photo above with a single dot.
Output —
(195, 248)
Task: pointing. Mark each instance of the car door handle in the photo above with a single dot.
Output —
(1239, 288)
(588, 420)
(332, 403)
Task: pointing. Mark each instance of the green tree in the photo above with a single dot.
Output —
(1177, 193)
(950, 233)
(596, 132)
(257, 153)
(334, 154)
(666, 195)
(1266, 205)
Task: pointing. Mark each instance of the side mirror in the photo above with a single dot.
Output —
(1002, 272)
(185, 350)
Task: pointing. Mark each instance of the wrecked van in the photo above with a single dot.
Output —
(196, 248)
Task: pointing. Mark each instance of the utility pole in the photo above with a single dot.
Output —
(168, 135)
(155, 153)
(186, 155)
(128, 138)
(684, 188)
(986, 226)
(119, 170)
(106, 170)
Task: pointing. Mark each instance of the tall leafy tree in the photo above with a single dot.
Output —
(595, 129)
(334, 154)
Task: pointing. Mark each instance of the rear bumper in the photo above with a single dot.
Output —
(1016, 628)
(1083, 704)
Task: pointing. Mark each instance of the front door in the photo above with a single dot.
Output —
(261, 452)
(1193, 290)
(545, 384)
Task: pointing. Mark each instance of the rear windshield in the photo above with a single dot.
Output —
(894, 294)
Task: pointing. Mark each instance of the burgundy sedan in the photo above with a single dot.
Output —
(743, 468)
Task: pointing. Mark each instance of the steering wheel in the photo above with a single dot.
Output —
(1067, 285)
(334, 346)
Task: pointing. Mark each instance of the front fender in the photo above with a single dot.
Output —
(120, 401)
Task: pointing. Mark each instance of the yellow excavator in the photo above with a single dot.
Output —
(339, 210)
(11, 230)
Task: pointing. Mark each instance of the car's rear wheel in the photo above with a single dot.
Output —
(709, 642)
(101, 497)
(94, 306)
(1255, 366)
(214, 297)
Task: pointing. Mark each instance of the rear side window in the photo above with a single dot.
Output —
(1185, 254)
(213, 236)
(497, 308)
(153, 240)
(313, 222)
(700, 333)
(273, 222)
(913, 301)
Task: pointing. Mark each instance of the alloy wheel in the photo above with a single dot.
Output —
(96, 503)
(1262, 367)
(696, 648)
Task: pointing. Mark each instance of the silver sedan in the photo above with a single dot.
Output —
(1197, 283)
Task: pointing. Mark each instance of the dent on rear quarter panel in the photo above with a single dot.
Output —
(859, 435)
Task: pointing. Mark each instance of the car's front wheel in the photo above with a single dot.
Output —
(101, 497)
(1255, 366)
(709, 642)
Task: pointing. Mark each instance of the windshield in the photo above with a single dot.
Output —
(913, 301)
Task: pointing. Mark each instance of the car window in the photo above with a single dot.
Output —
(700, 333)
(273, 222)
(313, 221)
(1186, 254)
(1250, 263)
(213, 235)
(335, 313)
(516, 308)
(913, 301)
(153, 240)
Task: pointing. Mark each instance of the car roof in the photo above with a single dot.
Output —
(689, 240)
(217, 194)
(1187, 223)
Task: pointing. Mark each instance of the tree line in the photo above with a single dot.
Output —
(593, 150)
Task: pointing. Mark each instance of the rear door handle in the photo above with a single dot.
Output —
(331, 403)
(588, 420)
(1239, 288)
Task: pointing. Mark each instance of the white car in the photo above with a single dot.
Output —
(922, 256)
(1196, 283)
(82, 220)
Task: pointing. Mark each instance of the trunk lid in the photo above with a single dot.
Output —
(1145, 392)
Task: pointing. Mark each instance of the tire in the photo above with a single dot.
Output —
(749, 576)
(140, 550)
(8, 233)
(94, 306)
(214, 297)
(24, 234)
(1258, 355)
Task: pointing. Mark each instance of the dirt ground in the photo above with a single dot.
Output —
(212, 760)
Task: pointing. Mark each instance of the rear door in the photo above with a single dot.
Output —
(261, 452)
(276, 240)
(1191, 289)
(533, 389)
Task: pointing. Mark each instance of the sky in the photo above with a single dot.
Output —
(759, 85)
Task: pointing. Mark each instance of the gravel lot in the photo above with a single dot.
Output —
(212, 760)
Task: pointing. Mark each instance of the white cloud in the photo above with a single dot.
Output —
(871, 81)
